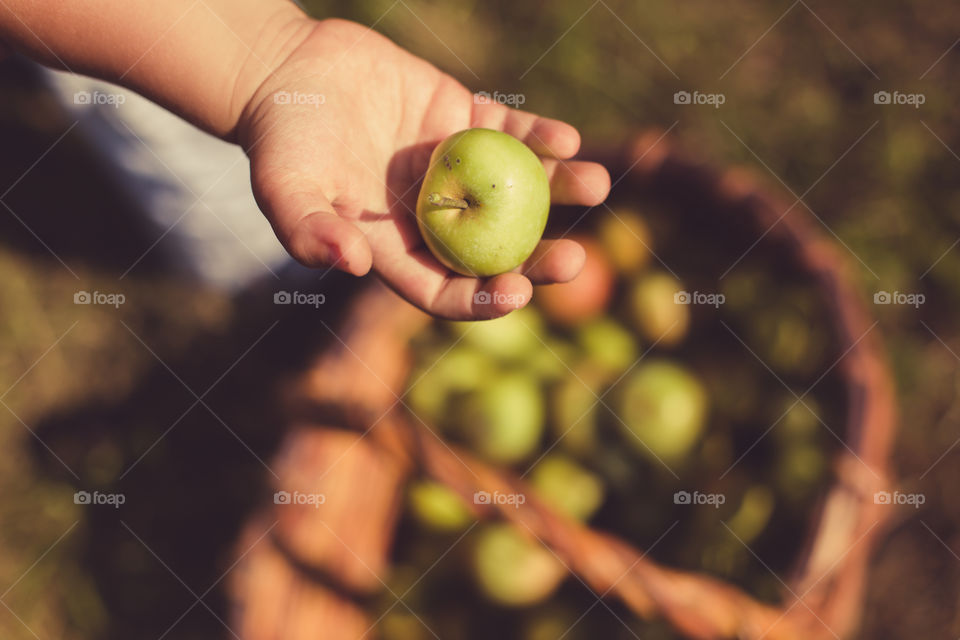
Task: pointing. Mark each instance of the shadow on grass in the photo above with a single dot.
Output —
(189, 470)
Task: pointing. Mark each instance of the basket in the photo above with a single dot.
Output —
(306, 572)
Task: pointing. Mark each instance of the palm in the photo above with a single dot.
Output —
(339, 180)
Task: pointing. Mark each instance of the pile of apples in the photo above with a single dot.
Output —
(534, 389)
(584, 395)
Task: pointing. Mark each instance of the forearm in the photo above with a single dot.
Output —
(202, 59)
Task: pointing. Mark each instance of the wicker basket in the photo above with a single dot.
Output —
(306, 572)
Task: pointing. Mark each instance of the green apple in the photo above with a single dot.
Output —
(484, 202)
(663, 408)
(626, 239)
(514, 569)
(443, 372)
(568, 487)
(787, 339)
(552, 621)
(656, 312)
(464, 368)
(504, 420)
(400, 624)
(549, 362)
(427, 394)
(799, 421)
(438, 507)
(608, 344)
(800, 467)
(511, 337)
(575, 409)
(752, 517)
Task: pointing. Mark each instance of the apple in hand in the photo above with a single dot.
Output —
(484, 202)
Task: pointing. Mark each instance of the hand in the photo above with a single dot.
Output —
(339, 180)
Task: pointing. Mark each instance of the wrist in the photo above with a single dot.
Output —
(311, 51)
(281, 36)
(202, 60)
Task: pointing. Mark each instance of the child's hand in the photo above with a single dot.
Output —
(339, 180)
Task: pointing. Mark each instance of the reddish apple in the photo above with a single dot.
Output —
(585, 297)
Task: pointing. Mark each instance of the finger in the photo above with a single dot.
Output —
(554, 261)
(496, 296)
(306, 223)
(322, 239)
(577, 182)
(417, 276)
(547, 137)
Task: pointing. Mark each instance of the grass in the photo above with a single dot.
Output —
(798, 110)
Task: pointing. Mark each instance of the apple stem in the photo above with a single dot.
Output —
(447, 203)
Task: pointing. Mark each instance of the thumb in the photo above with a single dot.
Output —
(308, 226)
